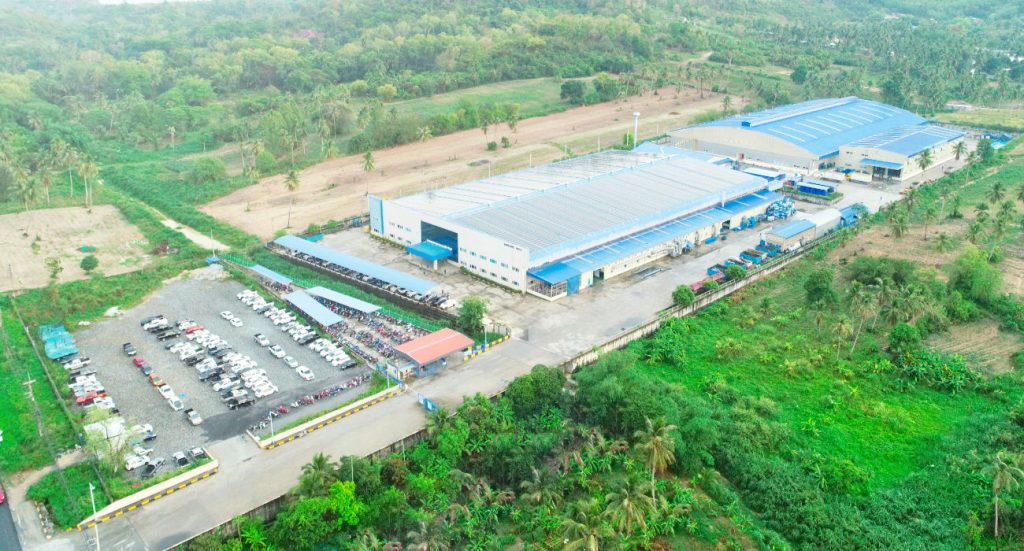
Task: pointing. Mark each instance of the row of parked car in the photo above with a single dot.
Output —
(85, 386)
(142, 458)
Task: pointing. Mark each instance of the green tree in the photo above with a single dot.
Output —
(959, 149)
(903, 339)
(899, 223)
(574, 91)
(536, 392)
(981, 212)
(627, 507)
(54, 268)
(206, 170)
(726, 104)
(734, 272)
(437, 420)
(583, 528)
(974, 276)
(291, 180)
(471, 315)
(710, 286)
(931, 214)
(89, 263)
(605, 87)
(368, 161)
(1006, 475)
(924, 159)
(683, 296)
(657, 446)
(818, 287)
(985, 151)
(995, 192)
(429, 536)
(954, 207)
(944, 243)
(317, 476)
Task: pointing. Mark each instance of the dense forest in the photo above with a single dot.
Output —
(86, 86)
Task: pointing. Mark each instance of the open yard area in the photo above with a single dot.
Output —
(29, 238)
(337, 189)
(986, 117)
(202, 298)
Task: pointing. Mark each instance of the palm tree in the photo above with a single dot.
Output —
(541, 488)
(627, 507)
(368, 161)
(253, 536)
(583, 529)
(981, 213)
(1007, 211)
(429, 537)
(657, 446)
(1006, 475)
(996, 193)
(943, 243)
(726, 103)
(424, 133)
(924, 159)
(88, 170)
(899, 224)
(974, 231)
(25, 186)
(959, 149)
(930, 215)
(317, 476)
(841, 330)
(437, 420)
(955, 205)
(291, 181)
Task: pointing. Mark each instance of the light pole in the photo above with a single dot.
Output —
(96, 525)
(271, 417)
(636, 127)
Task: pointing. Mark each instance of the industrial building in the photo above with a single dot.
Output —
(842, 134)
(556, 229)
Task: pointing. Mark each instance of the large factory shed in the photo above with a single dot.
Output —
(850, 134)
(556, 229)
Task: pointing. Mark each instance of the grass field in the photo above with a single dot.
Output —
(536, 97)
(66, 494)
(985, 117)
(27, 443)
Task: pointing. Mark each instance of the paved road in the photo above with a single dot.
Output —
(250, 477)
(8, 532)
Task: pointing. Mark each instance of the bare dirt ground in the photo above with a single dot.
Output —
(914, 246)
(194, 236)
(29, 238)
(1012, 267)
(986, 348)
(336, 189)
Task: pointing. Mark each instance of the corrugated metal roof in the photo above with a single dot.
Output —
(909, 140)
(880, 164)
(344, 300)
(365, 267)
(573, 217)
(792, 229)
(320, 313)
(659, 235)
(271, 274)
(435, 346)
(823, 126)
(428, 250)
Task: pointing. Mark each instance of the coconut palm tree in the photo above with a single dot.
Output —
(291, 181)
(26, 187)
(437, 420)
(1006, 475)
(627, 507)
(88, 169)
(429, 537)
(583, 528)
(541, 488)
(317, 476)
(424, 133)
(841, 330)
(943, 243)
(930, 215)
(959, 149)
(1007, 210)
(974, 231)
(657, 446)
(954, 207)
(899, 224)
(368, 161)
(996, 193)
(924, 159)
(981, 212)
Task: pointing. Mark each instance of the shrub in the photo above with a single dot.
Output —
(735, 272)
(537, 392)
(89, 263)
(937, 370)
(972, 275)
(207, 170)
(683, 296)
(711, 285)
(903, 339)
(492, 146)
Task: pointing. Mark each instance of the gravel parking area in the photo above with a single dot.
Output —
(201, 298)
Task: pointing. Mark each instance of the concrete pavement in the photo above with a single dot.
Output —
(250, 477)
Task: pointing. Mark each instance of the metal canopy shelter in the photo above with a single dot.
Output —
(343, 300)
(433, 347)
(318, 312)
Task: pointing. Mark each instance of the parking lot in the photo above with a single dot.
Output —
(202, 297)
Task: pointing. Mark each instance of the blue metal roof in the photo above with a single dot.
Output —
(320, 313)
(365, 267)
(853, 212)
(633, 244)
(765, 173)
(909, 140)
(673, 151)
(271, 274)
(792, 229)
(428, 250)
(344, 300)
(880, 164)
(813, 185)
(554, 273)
(823, 126)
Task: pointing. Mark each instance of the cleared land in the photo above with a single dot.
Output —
(984, 117)
(336, 189)
(986, 348)
(29, 238)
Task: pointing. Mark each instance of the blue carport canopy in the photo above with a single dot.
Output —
(881, 164)
(271, 274)
(344, 300)
(318, 312)
(553, 274)
(430, 251)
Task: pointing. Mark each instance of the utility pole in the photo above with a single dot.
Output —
(96, 525)
(636, 127)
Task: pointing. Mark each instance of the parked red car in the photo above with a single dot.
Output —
(194, 328)
(89, 398)
(139, 362)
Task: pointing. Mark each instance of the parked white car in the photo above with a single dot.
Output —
(166, 391)
(176, 404)
(235, 322)
(304, 373)
(226, 314)
(291, 362)
(132, 462)
(277, 352)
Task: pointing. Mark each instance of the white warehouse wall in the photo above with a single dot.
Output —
(756, 146)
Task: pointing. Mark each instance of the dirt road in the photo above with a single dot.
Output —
(336, 189)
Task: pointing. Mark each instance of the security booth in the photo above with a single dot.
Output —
(430, 352)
